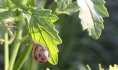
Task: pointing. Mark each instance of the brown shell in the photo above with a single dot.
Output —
(40, 53)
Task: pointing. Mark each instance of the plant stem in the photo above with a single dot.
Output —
(22, 57)
(16, 44)
(6, 51)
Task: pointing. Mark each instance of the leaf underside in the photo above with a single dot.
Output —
(91, 15)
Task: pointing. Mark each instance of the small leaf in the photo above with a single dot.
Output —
(91, 13)
(62, 4)
(43, 30)
(70, 9)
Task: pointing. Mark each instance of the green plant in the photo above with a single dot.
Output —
(115, 67)
(22, 21)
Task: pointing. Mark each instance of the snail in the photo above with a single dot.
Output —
(40, 53)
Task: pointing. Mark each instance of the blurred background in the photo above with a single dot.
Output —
(78, 49)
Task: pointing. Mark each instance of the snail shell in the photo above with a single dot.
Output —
(40, 53)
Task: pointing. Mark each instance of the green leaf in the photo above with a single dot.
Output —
(66, 7)
(91, 15)
(43, 30)
(62, 4)
(70, 9)
(99, 5)
(22, 57)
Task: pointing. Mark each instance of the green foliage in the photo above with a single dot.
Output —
(29, 21)
(115, 67)
(66, 7)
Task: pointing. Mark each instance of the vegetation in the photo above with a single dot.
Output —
(115, 67)
(24, 24)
